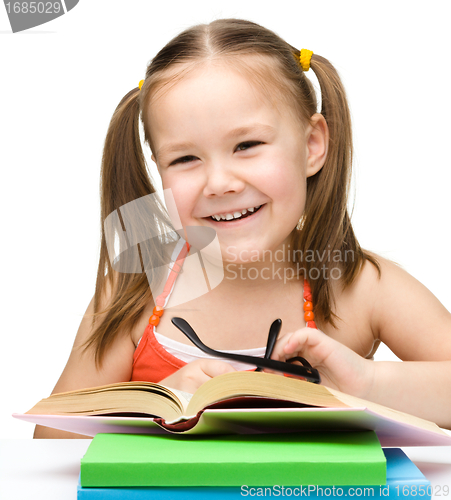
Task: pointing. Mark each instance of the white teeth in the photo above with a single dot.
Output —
(235, 215)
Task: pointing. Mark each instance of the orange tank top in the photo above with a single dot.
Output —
(151, 361)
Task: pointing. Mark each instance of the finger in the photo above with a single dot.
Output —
(202, 370)
(297, 342)
(292, 343)
(213, 368)
(307, 338)
(309, 343)
(278, 352)
(192, 383)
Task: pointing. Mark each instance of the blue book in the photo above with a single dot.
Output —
(404, 480)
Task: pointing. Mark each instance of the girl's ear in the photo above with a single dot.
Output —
(317, 141)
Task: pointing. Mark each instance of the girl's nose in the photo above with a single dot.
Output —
(220, 180)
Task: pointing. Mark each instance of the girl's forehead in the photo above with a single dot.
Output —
(212, 91)
(211, 77)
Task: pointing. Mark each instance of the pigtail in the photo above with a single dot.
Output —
(124, 178)
(336, 251)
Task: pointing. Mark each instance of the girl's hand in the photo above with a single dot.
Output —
(190, 377)
(339, 367)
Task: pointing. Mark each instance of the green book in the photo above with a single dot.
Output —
(338, 458)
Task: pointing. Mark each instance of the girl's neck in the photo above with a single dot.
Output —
(269, 274)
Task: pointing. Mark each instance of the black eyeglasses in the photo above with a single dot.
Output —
(305, 370)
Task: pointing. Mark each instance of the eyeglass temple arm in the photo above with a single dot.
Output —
(272, 337)
(309, 373)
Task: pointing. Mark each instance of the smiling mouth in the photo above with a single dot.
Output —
(235, 216)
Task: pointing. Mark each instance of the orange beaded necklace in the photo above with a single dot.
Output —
(309, 317)
(160, 301)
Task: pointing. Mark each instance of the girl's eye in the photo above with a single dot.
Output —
(248, 144)
(184, 159)
(241, 147)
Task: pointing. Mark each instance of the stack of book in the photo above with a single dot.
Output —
(138, 467)
(155, 442)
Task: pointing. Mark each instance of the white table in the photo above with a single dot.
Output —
(48, 469)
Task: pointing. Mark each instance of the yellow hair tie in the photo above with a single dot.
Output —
(304, 58)
(140, 84)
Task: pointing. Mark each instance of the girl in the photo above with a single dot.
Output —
(232, 123)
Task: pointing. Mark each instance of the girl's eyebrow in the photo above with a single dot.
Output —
(173, 148)
(239, 131)
(253, 128)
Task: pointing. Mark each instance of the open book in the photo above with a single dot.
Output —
(237, 402)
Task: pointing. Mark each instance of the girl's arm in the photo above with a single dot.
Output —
(407, 317)
(81, 370)
(413, 323)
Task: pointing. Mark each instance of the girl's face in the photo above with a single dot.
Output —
(224, 150)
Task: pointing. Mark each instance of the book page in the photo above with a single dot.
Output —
(238, 384)
(131, 397)
(183, 397)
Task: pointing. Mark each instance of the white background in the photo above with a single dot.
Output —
(60, 83)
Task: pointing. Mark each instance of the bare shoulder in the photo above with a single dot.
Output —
(407, 316)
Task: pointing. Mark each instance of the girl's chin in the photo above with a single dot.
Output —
(245, 257)
(248, 254)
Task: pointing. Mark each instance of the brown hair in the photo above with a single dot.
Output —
(325, 227)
